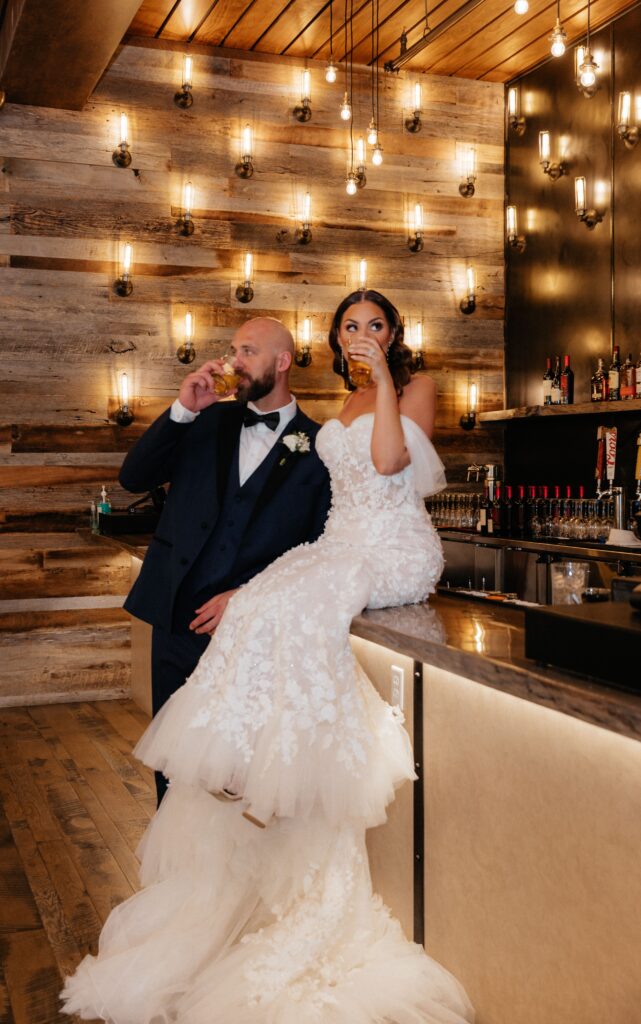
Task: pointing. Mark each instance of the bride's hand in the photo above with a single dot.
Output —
(372, 354)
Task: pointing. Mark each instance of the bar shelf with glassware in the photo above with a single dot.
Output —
(580, 409)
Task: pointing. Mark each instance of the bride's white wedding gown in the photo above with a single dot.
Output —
(240, 925)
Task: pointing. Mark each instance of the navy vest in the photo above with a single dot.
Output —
(212, 572)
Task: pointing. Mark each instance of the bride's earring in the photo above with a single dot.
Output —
(342, 363)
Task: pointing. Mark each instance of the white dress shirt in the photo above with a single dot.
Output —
(255, 442)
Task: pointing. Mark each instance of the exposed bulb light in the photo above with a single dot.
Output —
(587, 77)
(184, 98)
(303, 356)
(372, 133)
(557, 40)
(245, 291)
(346, 108)
(124, 415)
(521, 6)
(245, 166)
(351, 184)
(121, 156)
(362, 274)
(187, 352)
(331, 72)
(303, 110)
(123, 285)
(377, 155)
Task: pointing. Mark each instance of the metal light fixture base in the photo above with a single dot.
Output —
(184, 98)
(124, 416)
(186, 225)
(304, 235)
(590, 218)
(554, 171)
(244, 168)
(630, 136)
(414, 124)
(468, 305)
(303, 112)
(468, 422)
(244, 293)
(415, 242)
(121, 156)
(466, 188)
(418, 361)
(303, 357)
(517, 124)
(186, 354)
(361, 177)
(517, 242)
(123, 286)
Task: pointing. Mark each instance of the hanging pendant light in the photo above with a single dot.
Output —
(586, 67)
(559, 36)
(331, 71)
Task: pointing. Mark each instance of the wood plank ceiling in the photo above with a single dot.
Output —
(489, 42)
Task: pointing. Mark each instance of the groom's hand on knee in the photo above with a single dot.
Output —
(210, 613)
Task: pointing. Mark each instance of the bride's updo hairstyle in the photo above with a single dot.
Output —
(399, 356)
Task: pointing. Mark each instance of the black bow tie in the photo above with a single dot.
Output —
(270, 419)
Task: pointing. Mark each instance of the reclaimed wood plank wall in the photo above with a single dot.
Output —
(66, 210)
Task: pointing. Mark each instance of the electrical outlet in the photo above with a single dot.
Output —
(398, 686)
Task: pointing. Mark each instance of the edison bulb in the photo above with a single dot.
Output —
(372, 133)
(521, 7)
(588, 76)
(350, 185)
(330, 73)
(377, 155)
(557, 39)
(346, 110)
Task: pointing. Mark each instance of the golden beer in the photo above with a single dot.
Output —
(359, 373)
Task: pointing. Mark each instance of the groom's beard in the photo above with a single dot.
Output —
(252, 390)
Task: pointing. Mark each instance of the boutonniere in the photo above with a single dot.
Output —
(298, 442)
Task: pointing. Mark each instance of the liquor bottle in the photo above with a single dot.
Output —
(600, 389)
(547, 383)
(519, 513)
(567, 383)
(614, 376)
(556, 383)
(638, 379)
(484, 506)
(628, 381)
(635, 505)
(508, 512)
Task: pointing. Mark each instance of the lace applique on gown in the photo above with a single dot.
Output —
(236, 924)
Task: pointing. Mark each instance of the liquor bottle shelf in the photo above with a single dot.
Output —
(580, 409)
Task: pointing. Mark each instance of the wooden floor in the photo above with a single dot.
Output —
(75, 803)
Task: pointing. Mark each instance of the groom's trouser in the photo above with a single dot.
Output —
(174, 657)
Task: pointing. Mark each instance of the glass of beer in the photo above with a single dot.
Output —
(359, 373)
(226, 382)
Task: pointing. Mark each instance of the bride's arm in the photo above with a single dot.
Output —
(389, 452)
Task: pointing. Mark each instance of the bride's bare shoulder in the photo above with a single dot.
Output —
(418, 401)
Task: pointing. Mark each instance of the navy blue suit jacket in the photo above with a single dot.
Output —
(195, 459)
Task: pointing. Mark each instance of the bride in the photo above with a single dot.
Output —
(256, 904)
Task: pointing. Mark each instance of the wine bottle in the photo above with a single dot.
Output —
(599, 389)
(519, 513)
(614, 376)
(637, 391)
(628, 382)
(496, 514)
(484, 505)
(508, 511)
(556, 383)
(547, 382)
(567, 383)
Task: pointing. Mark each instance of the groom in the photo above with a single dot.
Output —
(246, 485)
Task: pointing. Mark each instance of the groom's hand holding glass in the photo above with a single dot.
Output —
(215, 379)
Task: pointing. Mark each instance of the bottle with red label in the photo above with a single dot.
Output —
(628, 379)
(567, 383)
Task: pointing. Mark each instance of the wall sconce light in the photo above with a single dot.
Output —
(416, 345)
(245, 292)
(245, 167)
(629, 134)
(414, 123)
(124, 285)
(362, 275)
(303, 111)
(124, 416)
(589, 217)
(361, 176)
(553, 170)
(468, 421)
(468, 304)
(185, 221)
(187, 352)
(184, 98)
(304, 230)
(415, 239)
(515, 119)
(468, 172)
(121, 156)
(303, 356)
(514, 240)
(3, 98)
(585, 71)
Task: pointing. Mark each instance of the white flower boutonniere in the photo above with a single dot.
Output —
(298, 442)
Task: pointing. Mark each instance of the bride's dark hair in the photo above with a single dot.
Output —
(399, 356)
